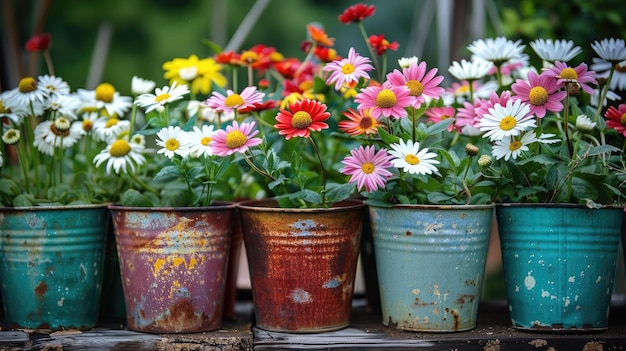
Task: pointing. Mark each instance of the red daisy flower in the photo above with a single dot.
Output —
(267, 105)
(319, 36)
(301, 118)
(38, 42)
(228, 58)
(616, 118)
(356, 13)
(380, 44)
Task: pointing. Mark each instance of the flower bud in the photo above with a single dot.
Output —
(573, 89)
(471, 149)
(584, 124)
(11, 136)
(484, 161)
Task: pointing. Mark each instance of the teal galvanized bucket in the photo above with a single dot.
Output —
(559, 264)
(431, 264)
(51, 265)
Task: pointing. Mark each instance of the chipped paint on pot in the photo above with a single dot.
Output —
(51, 263)
(173, 264)
(431, 263)
(302, 264)
(559, 263)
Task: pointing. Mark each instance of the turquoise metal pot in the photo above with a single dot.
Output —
(51, 265)
(431, 264)
(559, 264)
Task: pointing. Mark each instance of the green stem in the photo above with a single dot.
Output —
(371, 51)
(48, 59)
(319, 158)
(22, 160)
(257, 169)
(142, 183)
(133, 120)
(465, 187)
(566, 123)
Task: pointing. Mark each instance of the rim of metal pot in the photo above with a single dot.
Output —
(52, 207)
(554, 205)
(271, 205)
(217, 206)
(437, 207)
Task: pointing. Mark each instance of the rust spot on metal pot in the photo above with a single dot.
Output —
(418, 303)
(456, 316)
(465, 298)
(471, 282)
(41, 289)
(408, 233)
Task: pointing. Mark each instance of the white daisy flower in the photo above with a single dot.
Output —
(25, 94)
(405, 62)
(162, 97)
(584, 124)
(510, 147)
(174, 141)
(506, 121)
(63, 105)
(48, 137)
(612, 50)
(498, 50)
(200, 140)
(555, 50)
(603, 68)
(106, 97)
(138, 139)
(209, 114)
(15, 114)
(120, 155)
(470, 70)
(411, 159)
(546, 139)
(1, 159)
(108, 129)
(594, 99)
(140, 86)
(52, 85)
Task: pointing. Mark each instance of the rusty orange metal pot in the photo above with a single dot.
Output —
(302, 264)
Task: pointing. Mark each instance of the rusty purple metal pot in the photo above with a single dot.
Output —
(173, 264)
(302, 264)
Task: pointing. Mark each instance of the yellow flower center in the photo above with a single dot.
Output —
(416, 87)
(366, 122)
(27, 85)
(162, 97)
(205, 141)
(347, 68)
(172, 144)
(620, 68)
(442, 117)
(88, 109)
(119, 148)
(412, 159)
(368, 168)
(87, 125)
(111, 123)
(623, 119)
(301, 120)
(463, 89)
(105, 92)
(3, 109)
(538, 96)
(569, 74)
(233, 100)
(515, 145)
(386, 98)
(249, 56)
(508, 123)
(235, 139)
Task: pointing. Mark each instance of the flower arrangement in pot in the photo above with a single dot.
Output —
(556, 133)
(54, 219)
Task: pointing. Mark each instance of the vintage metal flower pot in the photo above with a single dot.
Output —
(431, 264)
(302, 264)
(559, 264)
(173, 264)
(51, 265)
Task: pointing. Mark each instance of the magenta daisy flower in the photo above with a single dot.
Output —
(233, 101)
(494, 99)
(579, 74)
(438, 114)
(348, 70)
(542, 92)
(368, 168)
(422, 84)
(390, 101)
(236, 138)
(466, 115)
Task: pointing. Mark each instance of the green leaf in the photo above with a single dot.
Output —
(168, 173)
(339, 192)
(215, 47)
(134, 198)
(440, 126)
(601, 149)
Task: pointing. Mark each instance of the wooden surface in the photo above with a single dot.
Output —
(492, 333)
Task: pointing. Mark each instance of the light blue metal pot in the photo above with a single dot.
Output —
(559, 264)
(51, 265)
(431, 264)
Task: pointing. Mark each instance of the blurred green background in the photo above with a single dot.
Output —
(110, 41)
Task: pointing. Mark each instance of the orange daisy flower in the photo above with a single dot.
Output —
(319, 36)
(361, 122)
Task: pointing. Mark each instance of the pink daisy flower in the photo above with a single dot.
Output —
(541, 92)
(367, 167)
(348, 70)
(485, 105)
(579, 74)
(236, 138)
(438, 114)
(233, 101)
(388, 100)
(420, 82)
(466, 115)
